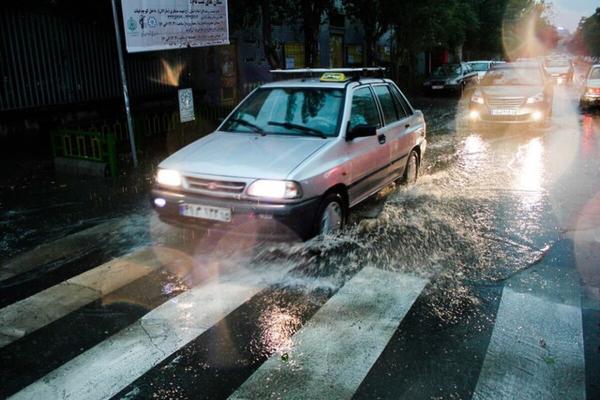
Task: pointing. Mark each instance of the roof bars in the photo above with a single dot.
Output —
(352, 72)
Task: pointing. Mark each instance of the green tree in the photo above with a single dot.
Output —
(590, 33)
(262, 14)
(374, 20)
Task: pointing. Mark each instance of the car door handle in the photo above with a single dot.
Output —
(407, 126)
(381, 138)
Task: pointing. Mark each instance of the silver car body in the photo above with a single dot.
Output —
(361, 167)
(591, 94)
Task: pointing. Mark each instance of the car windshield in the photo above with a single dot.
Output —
(595, 73)
(512, 76)
(289, 111)
(446, 70)
(557, 63)
(479, 67)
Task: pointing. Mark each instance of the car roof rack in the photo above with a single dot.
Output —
(353, 73)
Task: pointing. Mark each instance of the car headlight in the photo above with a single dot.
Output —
(168, 177)
(477, 98)
(274, 189)
(538, 98)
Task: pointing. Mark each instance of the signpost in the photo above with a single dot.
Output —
(124, 84)
(186, 105)
(152, 25)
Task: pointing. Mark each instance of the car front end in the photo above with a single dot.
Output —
(504, 109)
(242, 179)
(591, 97)
(265, 208)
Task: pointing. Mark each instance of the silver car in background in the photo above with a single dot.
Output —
(293, 158)
(591, 95)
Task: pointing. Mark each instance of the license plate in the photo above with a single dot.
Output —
(205, 212)
(437, 87)
(504, 111)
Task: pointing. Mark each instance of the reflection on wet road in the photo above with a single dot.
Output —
(480, 281)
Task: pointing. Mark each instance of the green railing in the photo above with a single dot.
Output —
(91, 146)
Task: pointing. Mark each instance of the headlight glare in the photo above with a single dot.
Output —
(168, 177)
(477, 98)
(274, 189)
(538, 98)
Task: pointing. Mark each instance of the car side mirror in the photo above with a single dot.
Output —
(361, 131)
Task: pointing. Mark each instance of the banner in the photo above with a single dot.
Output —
(173, 24)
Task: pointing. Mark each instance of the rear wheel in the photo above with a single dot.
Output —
(411, 172)
(331, 216)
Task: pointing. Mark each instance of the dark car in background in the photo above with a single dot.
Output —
(512, 93)
(454, 78)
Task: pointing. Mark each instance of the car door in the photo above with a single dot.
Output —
(369, 156)
(412, 133)
(396, 122)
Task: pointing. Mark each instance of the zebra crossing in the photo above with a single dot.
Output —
(329, 347)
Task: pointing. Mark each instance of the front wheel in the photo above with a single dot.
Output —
(411, 171)
(331, 216)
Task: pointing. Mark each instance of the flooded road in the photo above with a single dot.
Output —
(479, 281)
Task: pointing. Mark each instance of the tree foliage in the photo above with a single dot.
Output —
(374, 20)
(586, 40)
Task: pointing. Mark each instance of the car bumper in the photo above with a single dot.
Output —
(286, 221)
(590, 101)
(524, 115)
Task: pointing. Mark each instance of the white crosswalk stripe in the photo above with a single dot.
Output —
(26, 316)
(332, 354)
(536, 350)
(107, 368)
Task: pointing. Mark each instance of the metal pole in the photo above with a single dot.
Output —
(124, 82)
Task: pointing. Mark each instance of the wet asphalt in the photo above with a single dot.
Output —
(493, 209)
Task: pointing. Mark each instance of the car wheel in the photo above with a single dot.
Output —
(411, 171)
(331, 217)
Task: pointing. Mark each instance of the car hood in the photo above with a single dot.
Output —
(593, 83)
(244, 155)
(511, 91)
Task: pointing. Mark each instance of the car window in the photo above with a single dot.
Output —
(388, 106)
(404, 109)
(282, 110)
(364, 110)
(595, 73)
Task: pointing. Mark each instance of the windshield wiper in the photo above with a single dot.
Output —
(289, 125)
(250, 125)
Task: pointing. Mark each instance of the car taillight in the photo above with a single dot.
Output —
(593, 90)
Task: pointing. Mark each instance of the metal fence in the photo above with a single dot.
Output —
(49, 60)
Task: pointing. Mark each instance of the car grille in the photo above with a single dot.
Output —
(505, 118)
(505, 102)
(210, 186)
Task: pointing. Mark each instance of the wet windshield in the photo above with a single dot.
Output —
(595, 73)
(479, 66)
(512, 76)
(447, 70)
(289, 111)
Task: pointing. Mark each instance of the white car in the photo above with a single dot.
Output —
(294, 157)
(591, 94)
(481, 67)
